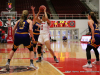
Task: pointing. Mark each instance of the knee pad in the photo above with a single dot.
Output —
(14, 49)
(39, 49)
(30, 49)
(34, 45)
(39, 44)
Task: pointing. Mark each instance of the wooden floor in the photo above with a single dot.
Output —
(69, 49)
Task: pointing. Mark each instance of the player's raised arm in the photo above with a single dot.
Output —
(30, 29)
(38, 16)
(34, 20)
(48, 21)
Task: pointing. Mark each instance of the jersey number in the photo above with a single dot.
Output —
(22, 26)
(96, 26)
(37, 29)
(41, 27)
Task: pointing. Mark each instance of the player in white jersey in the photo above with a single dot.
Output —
(44, 35)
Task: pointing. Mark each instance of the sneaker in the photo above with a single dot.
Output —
(39, 60)
(87, 66)
(95, 62)
(56, 60)
(7, 66)
(32, 66)
(34, 55)
(43, 51)
(42, 56)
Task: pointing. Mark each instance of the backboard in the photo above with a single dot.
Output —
(5, 15)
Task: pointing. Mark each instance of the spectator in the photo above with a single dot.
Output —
(64, 39)
(3, 40)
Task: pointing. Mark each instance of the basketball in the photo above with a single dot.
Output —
(41, 8)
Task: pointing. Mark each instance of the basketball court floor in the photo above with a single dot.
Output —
(71, 56)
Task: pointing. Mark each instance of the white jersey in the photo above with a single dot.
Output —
(44, 29)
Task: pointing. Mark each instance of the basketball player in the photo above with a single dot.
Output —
(36, 31)
(44, 35)
(22, 37)
(95, 40)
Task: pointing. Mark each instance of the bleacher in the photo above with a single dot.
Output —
(3, 5)
(68, 6)
(26, 5)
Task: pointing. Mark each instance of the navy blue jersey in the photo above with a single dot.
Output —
(36, 29)
(96, 29)
(24, 28)
(95, 44)
(22, 36)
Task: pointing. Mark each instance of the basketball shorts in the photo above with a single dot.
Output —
(36, 37)
(43, 38)
(22, 39)
(96, 43)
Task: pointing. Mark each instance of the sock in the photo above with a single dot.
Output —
(8, 60)
(34, 52)
(39, 58)
(89, 62)
(54, 57)
(31, 61)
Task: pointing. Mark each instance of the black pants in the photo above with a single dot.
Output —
(88, 54)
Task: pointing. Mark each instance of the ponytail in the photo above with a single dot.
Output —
(21, 21)
(93, 17)
(23, 17)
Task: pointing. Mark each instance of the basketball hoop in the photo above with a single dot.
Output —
(12, 15)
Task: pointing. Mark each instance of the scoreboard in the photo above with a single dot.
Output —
(9, 5)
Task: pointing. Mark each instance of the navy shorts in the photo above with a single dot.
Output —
(22, 39)
(36, 37)
(97, 41)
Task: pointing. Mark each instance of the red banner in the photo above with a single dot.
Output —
(9, 37)
(62, 24)
(1, 23)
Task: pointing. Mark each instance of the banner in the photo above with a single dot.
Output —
(54, 23)
(4, 23)
(85, 38)
(1, 23)
(65, 23)
(9, 37)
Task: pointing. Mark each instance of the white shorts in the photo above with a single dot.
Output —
(43, 38)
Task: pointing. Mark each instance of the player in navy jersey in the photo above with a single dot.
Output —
(23, 25)
(36, 31)
(94, 43)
